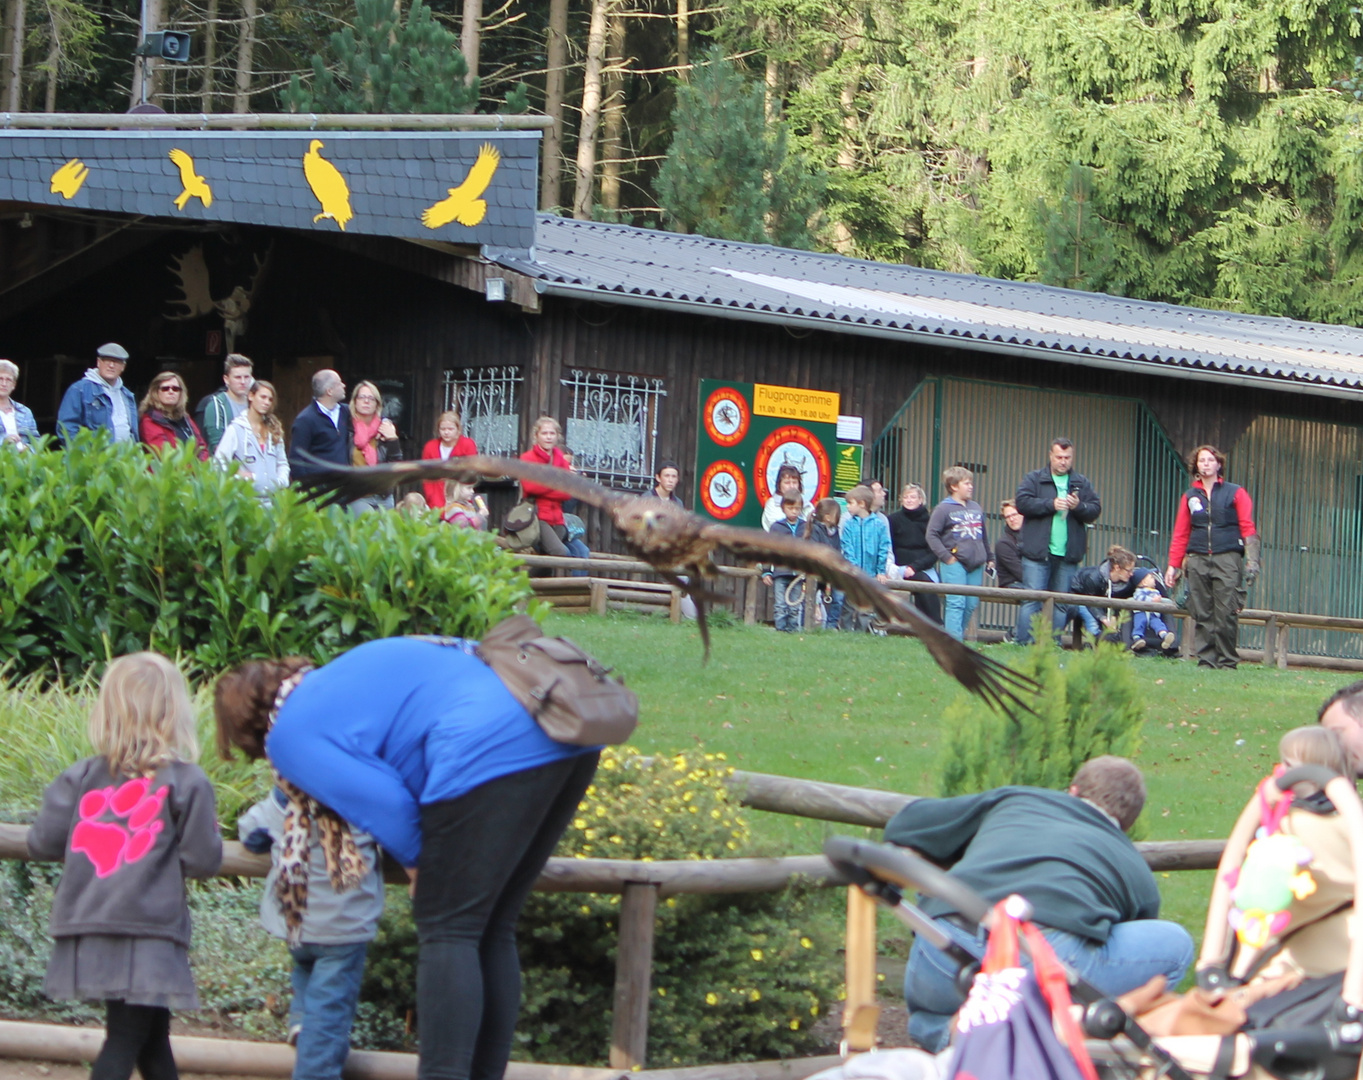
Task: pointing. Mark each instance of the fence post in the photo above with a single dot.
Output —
(860, 1013)
(1185, 637)
(1271, 641)
(633, 975)
(1282, 645)
(600, 593)
(751, 584)
(674, 605)
(1048, 613)
(811, 601)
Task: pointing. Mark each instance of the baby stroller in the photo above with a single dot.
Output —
(1308, 1033)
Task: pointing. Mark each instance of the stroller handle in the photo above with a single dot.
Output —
(905, 869)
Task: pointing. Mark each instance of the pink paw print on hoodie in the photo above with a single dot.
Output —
(111, 844)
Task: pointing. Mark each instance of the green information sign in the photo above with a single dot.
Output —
(847, 467)
(746, 432)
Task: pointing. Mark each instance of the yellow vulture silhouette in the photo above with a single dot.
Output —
(328, 186)
(195, 187)
(464, 204)
(66, 181)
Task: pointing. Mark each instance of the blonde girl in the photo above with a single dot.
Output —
(130, 825)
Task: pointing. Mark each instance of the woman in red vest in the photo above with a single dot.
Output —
(548, 503)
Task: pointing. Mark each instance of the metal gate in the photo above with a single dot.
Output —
(1001, 432)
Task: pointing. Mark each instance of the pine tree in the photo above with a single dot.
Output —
(384, 64)
(729, 173)
(1079, 252)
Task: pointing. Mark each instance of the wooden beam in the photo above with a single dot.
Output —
(633, 975)
(860, 1014)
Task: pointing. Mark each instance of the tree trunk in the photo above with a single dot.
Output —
(683, 39)
(771, 88)
(556, 51)
(469, 34)
(210, 54)
(54, 59)
(612, 142)
(591, 110)
(241, 103)
(14, 37)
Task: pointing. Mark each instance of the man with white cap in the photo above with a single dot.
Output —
(99, 400)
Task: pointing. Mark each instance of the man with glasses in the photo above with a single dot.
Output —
(218, 410)
(99, 401)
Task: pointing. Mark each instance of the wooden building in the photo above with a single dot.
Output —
(611, 329)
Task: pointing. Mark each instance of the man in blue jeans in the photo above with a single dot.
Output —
(1057, 504)
(1067, 853)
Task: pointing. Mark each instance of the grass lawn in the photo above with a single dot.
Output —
(856, 709)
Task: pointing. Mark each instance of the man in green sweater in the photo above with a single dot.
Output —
(1065, 851)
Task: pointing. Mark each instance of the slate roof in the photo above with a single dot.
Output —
(621, 264)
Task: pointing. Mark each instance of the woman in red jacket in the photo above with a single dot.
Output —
(450, 441)
(164, 420)
(548, 502)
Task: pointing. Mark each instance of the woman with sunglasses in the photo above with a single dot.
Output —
(164, 417)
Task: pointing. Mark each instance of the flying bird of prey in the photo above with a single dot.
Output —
(66, 181)
(464, 204)
(679, 546)
(195, 187)
(328, 185)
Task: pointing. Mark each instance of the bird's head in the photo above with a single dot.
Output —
(314, 146)
(646, 517)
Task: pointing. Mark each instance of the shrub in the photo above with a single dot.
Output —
(1090, 703)
(735, 978)
(108, 551)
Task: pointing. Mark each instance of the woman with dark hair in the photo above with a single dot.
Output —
(449, 773)
(909, 546)
(1216, 546)
(788, 482)
(164, 416)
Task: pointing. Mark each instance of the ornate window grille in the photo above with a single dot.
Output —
(488, 399)
(612, 425)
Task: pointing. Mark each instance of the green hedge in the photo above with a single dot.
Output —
(107, 550)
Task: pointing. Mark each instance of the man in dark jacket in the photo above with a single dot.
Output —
(323, 428)
(1056, 504)
(1066, 852)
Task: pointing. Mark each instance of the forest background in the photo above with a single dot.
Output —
(1204, 152)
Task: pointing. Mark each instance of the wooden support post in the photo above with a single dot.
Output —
(633, 976)
(811, 601)
(600, 594)
(860, 1013)
(1281, 649)
(674, 605)
(1271, 641)
(1048, 613)
(750, 587)
(1185, 637)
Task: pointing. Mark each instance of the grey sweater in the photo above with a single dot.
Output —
(128, 846)
(957, 530)
(331, 918)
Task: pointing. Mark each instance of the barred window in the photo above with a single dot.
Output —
(612, 425)
(489, 401)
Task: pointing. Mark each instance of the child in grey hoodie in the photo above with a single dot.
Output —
(956, 535)
(329, 950)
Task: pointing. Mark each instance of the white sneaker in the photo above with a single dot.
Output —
(294, 1031)
(1168, 639)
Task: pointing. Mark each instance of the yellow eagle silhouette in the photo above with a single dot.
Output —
(328, 186)
(464, 204)
(195, 187)
(66, 181)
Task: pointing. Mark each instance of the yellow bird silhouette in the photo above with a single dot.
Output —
(195, 187)
(464, 204)
(328, 186)
(66, 181)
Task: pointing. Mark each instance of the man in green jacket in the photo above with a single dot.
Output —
(218, 410)
(1067, 853)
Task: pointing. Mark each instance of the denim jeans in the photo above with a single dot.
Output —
(959, 608)
(481, 854)
(1091, 621)
(1147, 620)
(789, 617)
(578, 550)
(832, 611)
(1133, 954)
(326, 988)
(1054, 575)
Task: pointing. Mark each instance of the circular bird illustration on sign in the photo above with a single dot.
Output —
(797, 447)
(723, 490)
(726, 416)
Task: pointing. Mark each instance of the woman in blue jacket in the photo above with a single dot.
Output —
(421, 745)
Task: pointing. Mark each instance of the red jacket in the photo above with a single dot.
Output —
(1183, 522)
(435, 489)
(157, 431)
(548, 502)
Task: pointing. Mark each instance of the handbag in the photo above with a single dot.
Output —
(570, 693)
(521, 527)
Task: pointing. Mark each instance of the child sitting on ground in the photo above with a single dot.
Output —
(789, 617)
(823, 528)
(328, 946)
(463, 507)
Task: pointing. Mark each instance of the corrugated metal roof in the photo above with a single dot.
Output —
(756, 281)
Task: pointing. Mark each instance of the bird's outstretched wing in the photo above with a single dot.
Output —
(995, 682)
(185, 164)
(333, 485)
(489, 157)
